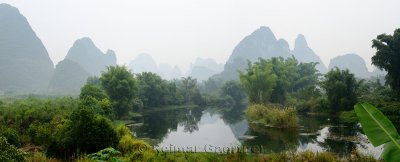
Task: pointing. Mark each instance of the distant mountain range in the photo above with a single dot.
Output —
(262, 43)
(25, 65)
(145, 63)
(201, 69)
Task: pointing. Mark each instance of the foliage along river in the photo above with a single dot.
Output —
(216, 130)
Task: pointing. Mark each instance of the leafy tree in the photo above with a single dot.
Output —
(11, 135)
(189, 88)
(234, 90)
(276, 80)
(9, 152)
(94, 80)
(258, 81)
(93, 96)
(121, 86)
(175, 95)
(40, 133)
(101, 107)
(307, 76)
(212, 85)
(387, 57)
(93, 91)
(153, 90)
(91, 132)
(83, 132)
(341, 88)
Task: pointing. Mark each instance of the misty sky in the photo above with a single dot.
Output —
(178, 31)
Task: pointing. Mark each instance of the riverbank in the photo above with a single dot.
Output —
(155, 156)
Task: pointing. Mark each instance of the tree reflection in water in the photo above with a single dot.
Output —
(318, 133)
(156, 124)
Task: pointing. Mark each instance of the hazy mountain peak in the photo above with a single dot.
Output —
(145, 56)
(264, 33)
(25, 64)
(110, 52)
(304, 53)
(301, 42)
(111, 55)
(143, 63)
(260, 43)
(265, 30)
(283, 46)
(351, 61)
(207, 62)
(85, 41)
(203, 68)
(85, 46)
(8, 9)
(90, 57)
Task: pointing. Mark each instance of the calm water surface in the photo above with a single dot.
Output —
(215, 130)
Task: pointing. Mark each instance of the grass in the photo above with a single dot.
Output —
(153, 156)
(272, 116)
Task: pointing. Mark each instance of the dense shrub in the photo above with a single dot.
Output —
(83, 132)
(9, 153)
(107, 154)
(274, 116)
(11, 135)
(91, 132)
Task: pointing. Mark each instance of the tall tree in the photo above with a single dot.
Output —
(189, 88)
(341, 88)
(273, 80)
(121, 86)
(387, 57)
(258, 81)
(153, 91)
(234, 90)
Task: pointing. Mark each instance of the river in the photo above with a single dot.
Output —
(217, 130)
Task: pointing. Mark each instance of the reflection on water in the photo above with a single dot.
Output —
(201, 129)
(211, 131)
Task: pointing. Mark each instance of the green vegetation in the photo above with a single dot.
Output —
(154, 91)
(9, 152)
(387, 57)
(341, 89)
(272, 116)
(279, 81)
(88, 128)
(348, 117)
(111, 154)
(233, 90)
(379, 130)
(190, 91)
(121, 86)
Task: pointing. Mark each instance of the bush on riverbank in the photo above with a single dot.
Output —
(272, 116)
(111, 154)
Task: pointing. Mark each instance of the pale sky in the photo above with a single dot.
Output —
(178, 31)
